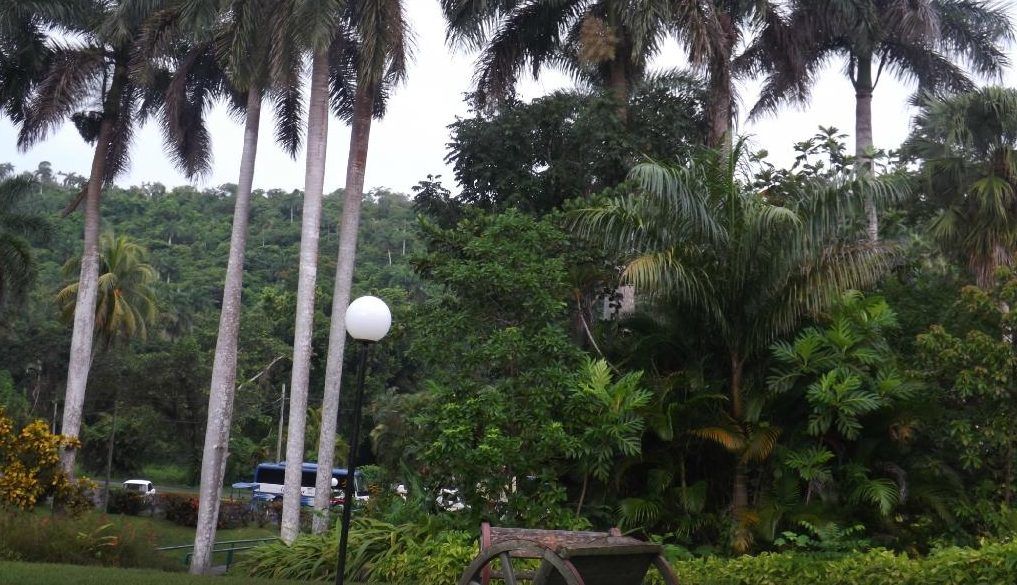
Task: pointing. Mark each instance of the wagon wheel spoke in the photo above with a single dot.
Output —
(508, 574)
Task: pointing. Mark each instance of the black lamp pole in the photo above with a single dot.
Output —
(351, 467)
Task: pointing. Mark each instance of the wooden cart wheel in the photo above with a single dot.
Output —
(475, 573)
(665, 570)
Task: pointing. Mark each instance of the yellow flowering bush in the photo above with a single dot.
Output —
(30, 465)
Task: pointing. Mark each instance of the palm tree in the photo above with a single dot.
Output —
(695, 235)
(230, 59)
(376, 63)
(322, 33)
(606, 43)
(735, 19)
(125, 304)
(968, 145)
(914, 40)
(93, 72)
(24, 50)
(17, 267)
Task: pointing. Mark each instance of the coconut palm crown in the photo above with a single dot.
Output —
(126, 303)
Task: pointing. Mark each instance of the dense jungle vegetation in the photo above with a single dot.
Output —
(614, 313)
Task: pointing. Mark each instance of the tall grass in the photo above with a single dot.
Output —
(86, 540)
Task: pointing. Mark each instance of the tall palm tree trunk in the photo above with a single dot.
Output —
(619, 85)
(863, 135)
(720, 109)
(224, 366)
(740, 491)
(83, 334)
(360, 135)
(317, 137)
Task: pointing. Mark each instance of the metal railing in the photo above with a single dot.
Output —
(227, 547)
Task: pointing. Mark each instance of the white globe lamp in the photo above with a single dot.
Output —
(368, 319)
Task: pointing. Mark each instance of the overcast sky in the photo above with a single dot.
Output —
(410, 142)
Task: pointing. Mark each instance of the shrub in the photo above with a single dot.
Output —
(397, 554)
(85, 540)
(234, 514)
(122, 501)
(75, 497)
(182, 510)
(438, 559)
(30, 460)
(993, 563)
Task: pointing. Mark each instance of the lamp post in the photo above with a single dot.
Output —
(367, 321)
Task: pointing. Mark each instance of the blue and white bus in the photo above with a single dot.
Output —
(269, 479)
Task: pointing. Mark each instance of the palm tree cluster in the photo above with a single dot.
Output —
(107, 67)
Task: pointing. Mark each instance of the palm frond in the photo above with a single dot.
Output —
(529, 37)
(69, 77)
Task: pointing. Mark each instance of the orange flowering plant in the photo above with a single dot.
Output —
(30, 465)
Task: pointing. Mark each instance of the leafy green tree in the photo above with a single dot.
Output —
(493, 339)
(847, 379)
(535, 156)
(968, 145)
(922, 41)
(17, 265)
(609, 421)
(974, 365)
(125, 305)
(748, 270)
(14, 403)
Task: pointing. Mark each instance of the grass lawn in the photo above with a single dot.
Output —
(46, 574)
(169, 534)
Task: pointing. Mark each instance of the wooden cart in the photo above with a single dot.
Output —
(563, 558)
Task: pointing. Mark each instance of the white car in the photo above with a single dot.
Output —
(449, 500)
(141, 487)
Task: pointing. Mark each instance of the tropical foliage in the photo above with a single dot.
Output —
(31, 458)
(17, 266)
(968, 145)
(614, 314)
(126, 303)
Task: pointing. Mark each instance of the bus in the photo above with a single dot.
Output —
(270, 477)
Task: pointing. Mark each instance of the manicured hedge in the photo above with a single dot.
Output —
(122, 501)
(991, 564)
(183, 510)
